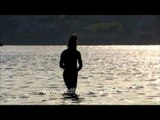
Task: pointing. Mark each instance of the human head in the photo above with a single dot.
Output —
(72, 42)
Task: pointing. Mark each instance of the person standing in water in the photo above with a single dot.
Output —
(68, 61)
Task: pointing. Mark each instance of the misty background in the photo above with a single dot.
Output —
(91, 29)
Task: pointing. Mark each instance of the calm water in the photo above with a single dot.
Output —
(111, 75)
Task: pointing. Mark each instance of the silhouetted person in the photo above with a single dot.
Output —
(68, 61)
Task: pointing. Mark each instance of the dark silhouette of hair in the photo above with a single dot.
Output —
(72, 42)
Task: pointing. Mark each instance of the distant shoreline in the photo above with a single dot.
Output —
(78, 45)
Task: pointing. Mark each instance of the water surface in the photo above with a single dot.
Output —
(111, 75)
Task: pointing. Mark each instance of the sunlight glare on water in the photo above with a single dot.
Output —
(110, 75)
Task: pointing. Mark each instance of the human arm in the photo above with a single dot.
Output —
(61, 63)
(80, 62)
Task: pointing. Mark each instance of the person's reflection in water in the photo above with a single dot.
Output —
(68, 62)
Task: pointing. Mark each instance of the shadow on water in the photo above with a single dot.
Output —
(73, 99)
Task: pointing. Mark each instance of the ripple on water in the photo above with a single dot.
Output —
(91, 94)
(29, 82)
(103, 94)
(23, 96)
(24, 86)
(38, 93)
(84, 77)
(141, 93)
(152, 84)
(8, 68)
(154, 97)
(122, 91)
(109, 78)
(52, 98)
(151, 80)
(9, 80)
(43, 100)
(53, 86)
(50, 78)
(136, 86)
